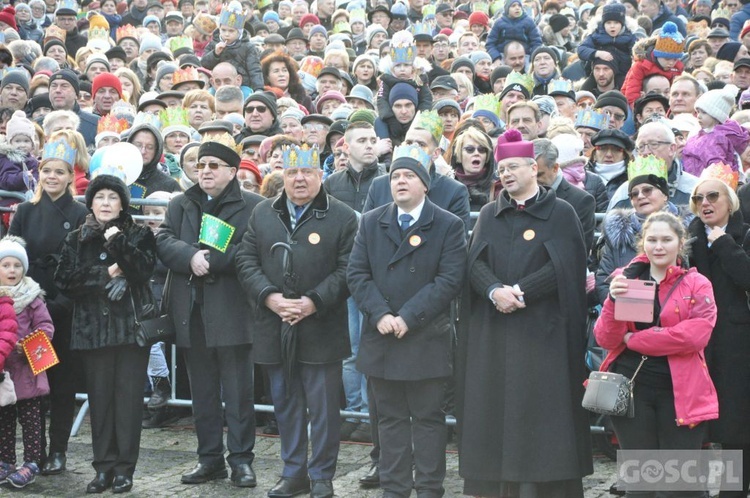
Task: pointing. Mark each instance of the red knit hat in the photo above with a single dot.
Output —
(745, 30)
(250, 166)
(480, 18)
(308, 18)
(104, 80)
(8, 16)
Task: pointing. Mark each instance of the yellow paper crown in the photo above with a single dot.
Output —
(648, 165)
(54, 32)
(224, 139)
(721, 14)
(185, 75)
(98, 27)
(487, 102)
(722, 172)
(430, 121)
(516, 78)
(126, 31)
(112, 124)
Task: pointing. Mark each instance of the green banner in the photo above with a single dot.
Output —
(215, 232)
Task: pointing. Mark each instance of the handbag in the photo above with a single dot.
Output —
(152, 330)
(612, 393)
(7, 390)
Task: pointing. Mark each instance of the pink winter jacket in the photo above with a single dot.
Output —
(33, 317)
(8, 328)
(717, 146)
(687, 320)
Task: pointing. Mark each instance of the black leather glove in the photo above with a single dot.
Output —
(116, 288)
(2, 377)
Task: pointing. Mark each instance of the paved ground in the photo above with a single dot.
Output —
(167, 453)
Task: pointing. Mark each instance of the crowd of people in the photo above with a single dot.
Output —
(393, 201)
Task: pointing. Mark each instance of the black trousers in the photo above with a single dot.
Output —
(215, 374)
(412, 428)
(654, 427)
(114, 380)
(745, 472)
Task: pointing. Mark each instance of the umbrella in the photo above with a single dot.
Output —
(288, 331)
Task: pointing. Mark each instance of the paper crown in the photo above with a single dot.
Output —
(648, 165)
(412, 152)
(301, 157)
(147, 118)
(232, 16)
(561, 86)
(430, 121)
(204, 23)
(126, 31)
(480, 7)
(487, 102)
(173, 116)
(311, 65)
(516, 78)
(67, 5)
(98, 27)
(54, 32)
(592, 118)
(110, 123)
(342, 27)
(421, 28)
(722, 172)
(358, 15)
(403, 50)
(428, 12)
(224, 139)
(123, 109)
(185, 75)
(721, 14)
(177, 43)
(264, 3)
(60, 149)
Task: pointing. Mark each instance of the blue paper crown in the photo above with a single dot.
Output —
(592, 118)
(412, 152)
(301, 157)
(560, 85)
(68, 5)
(232, 17)
(421, 28)
(60, 149)
(403, 55)
(147, 118)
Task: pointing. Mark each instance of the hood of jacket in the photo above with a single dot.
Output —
(15, 155)
(159, 145)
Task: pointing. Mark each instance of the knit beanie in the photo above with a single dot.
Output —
(509, 4)
(717, 103)
(365, 115)
(108, 182)
(317, 29)
(614, 12)
(612, 98)
(17, 77)
(372, 30)
(250, 166)
(97, 57)
(569, 148)
(266, 98)
(544, 49)
(728, 51)
(163, 70)
(149, 19)
(270, 15)
(558, 22)
(500, 72)
(14, 247)
(149, 41)
(480, 18)
(106, 80)
(462, 61)
(401, 91)
(51, 43)
(308, 18)
(479, 55)
(8, 16)
(216, 149)
(330, 95)
(669, 43)
(19, 124)
(68, 75)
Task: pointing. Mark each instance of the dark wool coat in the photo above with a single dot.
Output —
(227, 320)
(665, 15)
(82, 276)
(521, 374)
(242, 55)
(594, 185)
(351, 187)
(74, 41)
(522, 29)
(414, 275)
(727, 265)
(585, 207)
(321, 241)
(620, 46)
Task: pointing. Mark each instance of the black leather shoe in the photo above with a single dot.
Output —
(54, 465)
(101, 483)
(371, 479)
(122, 484)
(290, 486)
(322, 489)
(243, 476)
(204, 473)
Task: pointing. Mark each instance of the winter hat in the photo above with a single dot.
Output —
(544, 49)
(717, 103)
(569, 148)
(462, 61)
(364, 115)
(402, 91)
(372, 30)
(612, 98)
(500, 72)
(22, 6)
(479, 55)
(97, 57)
(512, 144)
(149, 19)
(67, 75)
(38, 101)
(558, 22)
(509, 4)
(105, 80)
(414, 159)
(218, 149)
(109, 182)
(728, 51)
(330, 95)
(235, 118)
(250, 166)
(266, 98)
(308, 18)
(318, 29)
(8, 16)
(669, 43)
(270, 15)
(163, 70)
(361, 92)
(17, 77)
(14, 247)
(19, 124)
(614, 12)
(480, 18)
(149, 41)
(342, 112)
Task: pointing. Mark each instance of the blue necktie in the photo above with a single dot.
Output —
(405, 221)
(298, 212)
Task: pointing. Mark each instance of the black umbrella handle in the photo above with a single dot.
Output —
(289, 266)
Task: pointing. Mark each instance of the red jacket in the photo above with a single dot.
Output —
(640, 69)
(8, 329)
(687, 320)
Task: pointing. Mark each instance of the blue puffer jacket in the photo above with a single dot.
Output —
(621, 48)
(666, 15)
(738, 20)
(522, 30)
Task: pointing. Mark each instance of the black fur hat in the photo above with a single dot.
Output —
(110, 182)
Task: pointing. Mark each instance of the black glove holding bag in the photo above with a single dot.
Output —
(116, 287)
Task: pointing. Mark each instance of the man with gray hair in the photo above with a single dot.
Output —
(549, 174)
(60, 120)
(46, 64)
(228, 100)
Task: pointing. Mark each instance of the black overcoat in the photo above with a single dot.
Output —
(321, 242)
(521, 413)
(227, 320)
(727, 265)
(414, 275)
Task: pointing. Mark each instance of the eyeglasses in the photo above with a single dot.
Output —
(510, 169)
(250, 151)
(314, 126)
(470, 149)
(260, 108)
(711, 197)
(646, 191)
(651, 146)
(616, 116)
(147, 147)
(339, 154)
(213, 165)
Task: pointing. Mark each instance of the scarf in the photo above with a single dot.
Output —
(173, 165)
(468, 179)
(575, 173)
(114, 21)
(608, 172)
(23, 293)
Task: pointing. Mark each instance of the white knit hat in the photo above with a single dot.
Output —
(717, 103)
(569, 148)
(14, 247)
(19, 124)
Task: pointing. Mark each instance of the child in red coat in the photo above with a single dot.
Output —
(659, 55)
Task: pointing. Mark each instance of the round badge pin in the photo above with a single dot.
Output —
(415, 240)
(529, 234)
(313, 238)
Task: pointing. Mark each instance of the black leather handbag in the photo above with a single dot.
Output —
(160, 329)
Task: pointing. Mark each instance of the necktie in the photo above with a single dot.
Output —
(405, 221)
(298, 212)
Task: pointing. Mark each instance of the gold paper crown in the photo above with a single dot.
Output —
(126, 31)
(428, 11)
(54, 32)
(516, 78)
(722, 172)
(342, 27)
(205, 24)
(487, 102)
(174, 116)
(721, 14)
(430, 121)
(185, 75)
(98, 27)
(224, 139)
(112, 124)
(180, 42)
(648, 165)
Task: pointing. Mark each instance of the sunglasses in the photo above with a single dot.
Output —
(711, 197)
(211, 165)
(470, 149)
(646, 191)
(260, 108)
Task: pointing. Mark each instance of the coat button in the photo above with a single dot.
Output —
(681, 421)
(412, 269)
(391, 268)
(105, 312)
(66, 225)
(387, 299)
(184, 322)
(103, 256)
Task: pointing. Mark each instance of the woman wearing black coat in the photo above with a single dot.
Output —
(105, 267)
(43, 223)
(721, 252)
